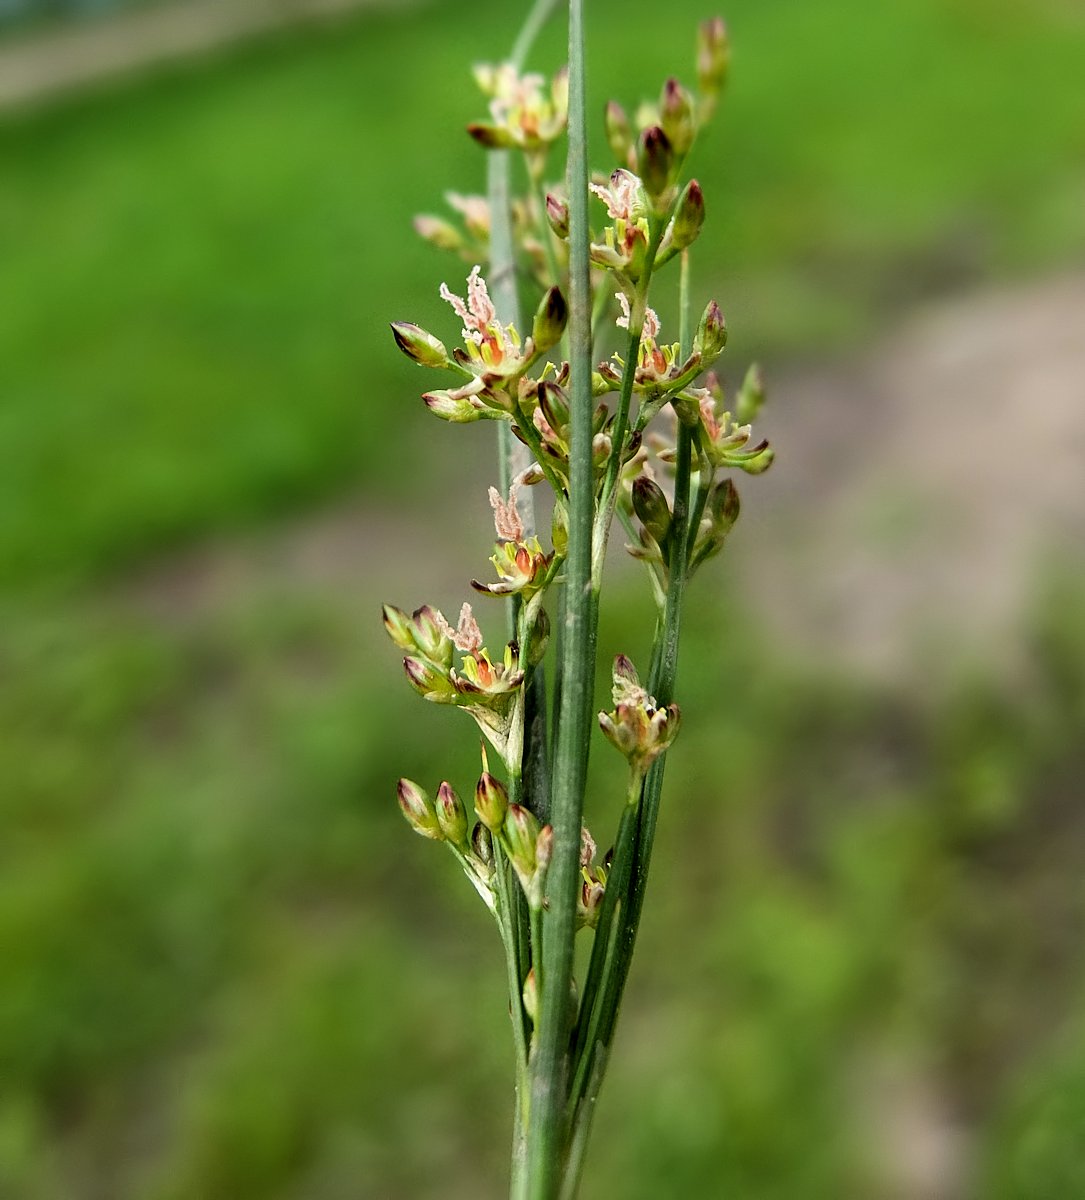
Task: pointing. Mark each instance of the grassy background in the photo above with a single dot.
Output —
(227, 970)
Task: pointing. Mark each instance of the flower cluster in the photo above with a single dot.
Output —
(481, 686)
(445, 820)
(624, 248)
(493, 360)
(520, 562)
(523, 115)
(638, 728)
(725, 440)
(593, 882)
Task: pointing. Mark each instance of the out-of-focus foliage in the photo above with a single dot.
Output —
(205, 262)
(230, 972)
(227, 970)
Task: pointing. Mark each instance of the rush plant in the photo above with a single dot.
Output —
(643, 436)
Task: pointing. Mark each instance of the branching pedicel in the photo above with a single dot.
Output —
(600, 438)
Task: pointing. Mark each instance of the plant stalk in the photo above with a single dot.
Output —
(546, 1132)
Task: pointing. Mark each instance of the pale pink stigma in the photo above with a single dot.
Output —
(620, 196)
(507, 521)
(468, 636)
(479, 299)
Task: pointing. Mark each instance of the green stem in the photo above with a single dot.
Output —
(532, 27)
(536, 172)
(579, 1142)
(602, 946)
(507, 925)
(630, 883)
(546, 1133)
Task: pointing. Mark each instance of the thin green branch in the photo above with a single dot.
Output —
(532, 27)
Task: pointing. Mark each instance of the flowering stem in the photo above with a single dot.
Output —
(546, 1134)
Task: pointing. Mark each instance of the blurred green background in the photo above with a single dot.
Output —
(227, 970)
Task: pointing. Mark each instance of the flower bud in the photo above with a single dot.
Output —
(486, 76)
(550, 319)
(521, 831)
(557, 213)
(655, 159)
(449, 407)
(638, 728)
(619, 134)
(419, 346)
(491, 802)
(676, 117)
(492, 137)
(688, 216)
(451, 815)
(482, 844)
(625, 682)
(540, 636)
(426, 679)
(751, 396)
(429, 635)
(531, 997)
(650, 505)
(724, 506)
(438, 232)
(711, 336)
(398, 626)
(713, 55)
(417, 807)
(544, 849)
(589, 902)
(559, 528)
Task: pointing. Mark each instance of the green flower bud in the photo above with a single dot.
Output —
(625, 682)
(557, 213)
(559, 528)
(655, 161)
(521, 833)
(531, 997)
(688, 216)
(491, 802)
(711, 336)
(419, 346)
(676, 117)
(427, 680)
(429, 635)
(544, 849)
(451, 407)
(650, 505)
(724, 506)
(399, 627)
(493, 137)
(713, 56)
(451, 815)
(417, 807)
(550, 319)
(619, 133)
(589, 902)
(540, 636)
(438, 232)
(482, 844)
(751, 396)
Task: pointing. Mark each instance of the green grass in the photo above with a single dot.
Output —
(231, 972)
(204, 262)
